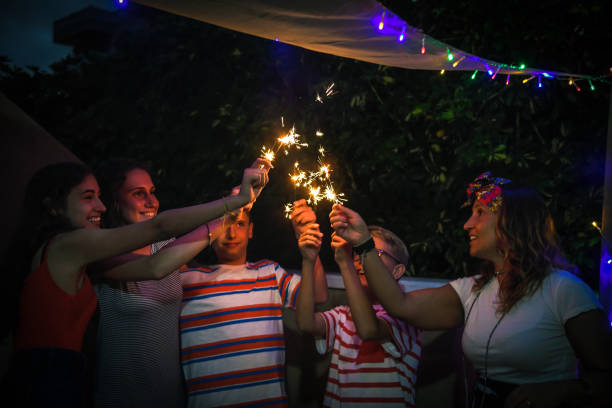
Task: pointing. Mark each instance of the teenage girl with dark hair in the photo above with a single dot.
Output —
(138, 334)
(63, 211)
(526, 318)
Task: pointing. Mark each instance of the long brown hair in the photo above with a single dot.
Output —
(527, 238)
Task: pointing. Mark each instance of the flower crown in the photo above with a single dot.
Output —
(486, 189)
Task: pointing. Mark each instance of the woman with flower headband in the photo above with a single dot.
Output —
(526, 318)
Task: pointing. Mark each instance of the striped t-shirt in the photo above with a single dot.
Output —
(368, 373)
(232, 345)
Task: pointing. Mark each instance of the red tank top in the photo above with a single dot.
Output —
(48, 316)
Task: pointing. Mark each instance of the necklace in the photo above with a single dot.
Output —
(486, 348)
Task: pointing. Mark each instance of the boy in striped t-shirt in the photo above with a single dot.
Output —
(232, 345)
(374, 356)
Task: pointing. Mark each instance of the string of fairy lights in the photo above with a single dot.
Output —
(391, 25)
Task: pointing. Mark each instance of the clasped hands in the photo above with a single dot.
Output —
(349, 230)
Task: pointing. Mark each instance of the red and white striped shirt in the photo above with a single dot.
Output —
(232, 344)
(364, 373)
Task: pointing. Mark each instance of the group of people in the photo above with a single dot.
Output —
(173, 335)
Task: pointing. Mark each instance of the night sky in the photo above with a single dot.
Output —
(26, 29)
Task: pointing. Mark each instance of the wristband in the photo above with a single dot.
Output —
(208, 234)
(365, 247)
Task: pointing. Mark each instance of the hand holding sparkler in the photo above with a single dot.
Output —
(301, 216)
(309, 242)
(253, 181)
(343, 251)
(266, 165)
(349, 225)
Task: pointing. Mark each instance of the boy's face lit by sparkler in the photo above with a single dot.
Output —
(231, 245)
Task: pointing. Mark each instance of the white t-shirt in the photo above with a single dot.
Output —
(529, 344)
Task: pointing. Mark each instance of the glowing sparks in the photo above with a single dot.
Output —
(288, 210)
(314, 195)
(292, 139)
(313, 180)
(332, 196)
(319, 133)
(267, 154)
(329, 91)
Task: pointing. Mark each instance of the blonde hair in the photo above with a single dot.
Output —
(398, 248)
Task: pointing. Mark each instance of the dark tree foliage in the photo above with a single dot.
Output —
(198, 102)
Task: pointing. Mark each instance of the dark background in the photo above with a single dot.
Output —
(198, 102)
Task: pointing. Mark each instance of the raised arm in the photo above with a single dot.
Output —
(431, 309)
(302, 217)
(71, 251)
(174, 255)
(307, 320)
(369, 327)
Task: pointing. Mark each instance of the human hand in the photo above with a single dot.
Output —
(264, 164)
(343, 251)
(349, 224)
(301, 216)
(253, 181)
(309, 242)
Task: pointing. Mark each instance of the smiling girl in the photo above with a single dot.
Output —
(62, 214)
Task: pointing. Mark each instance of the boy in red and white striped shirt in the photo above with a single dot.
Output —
(375, 356)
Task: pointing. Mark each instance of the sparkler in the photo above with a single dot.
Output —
(318, 183)
(328, 91)
(291, 139)
(313, 181)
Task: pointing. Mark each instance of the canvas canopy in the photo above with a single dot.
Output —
(345, 28)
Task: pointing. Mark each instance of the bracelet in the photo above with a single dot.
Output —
(209, 235)
(368, 245)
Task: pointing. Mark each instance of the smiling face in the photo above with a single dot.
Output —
(83, 206)
(231, 245)
(136, 198)
(481, 228)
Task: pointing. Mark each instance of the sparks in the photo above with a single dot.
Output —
(288, 210)
(292, 139)
(267, 154)
(319, 133)
(329, 91)
(315, 195)
(332, 196)
(318, 98)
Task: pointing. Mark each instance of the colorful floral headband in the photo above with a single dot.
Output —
(487, 190)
